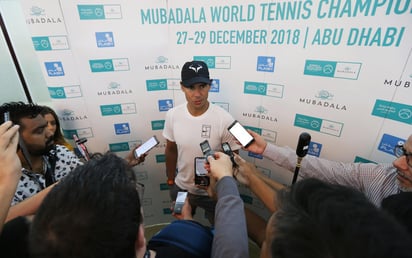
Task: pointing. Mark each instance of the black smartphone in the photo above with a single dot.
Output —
(145, 147)
(240, 133)
(206, 149)
(180, 202)
(201, 177)
(228, 151)
(21, 146)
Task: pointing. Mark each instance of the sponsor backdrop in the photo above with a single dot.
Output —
(339, 70)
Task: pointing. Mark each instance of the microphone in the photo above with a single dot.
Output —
(301, 151)
(81, 147)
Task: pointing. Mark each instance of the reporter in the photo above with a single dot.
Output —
(376, 181)
(231, 239)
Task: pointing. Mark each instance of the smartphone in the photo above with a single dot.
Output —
(206, 149)
(145, 147)
(21, 144)
(180, 201)
(240, 133)
(228, 151)
(6, 116)
(201, 177)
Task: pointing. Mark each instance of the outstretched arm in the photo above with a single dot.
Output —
(10, 167)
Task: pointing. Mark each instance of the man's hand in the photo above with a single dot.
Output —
(258, 146)
(10, 168)
(131, 160)
(244, 170)
(186, 211)
(220, 166)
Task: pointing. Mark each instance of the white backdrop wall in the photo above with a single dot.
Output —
(340, 70)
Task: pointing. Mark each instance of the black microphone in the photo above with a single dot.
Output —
(303, 144)
(301, 151)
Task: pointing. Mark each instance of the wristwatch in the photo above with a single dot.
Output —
(170, 181)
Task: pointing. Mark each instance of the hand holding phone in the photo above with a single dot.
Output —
(180, 202)
(145, 147)
(240, 133)
(228, 151)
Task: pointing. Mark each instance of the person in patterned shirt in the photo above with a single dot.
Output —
(45, 162)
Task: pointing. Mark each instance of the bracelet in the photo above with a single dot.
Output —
(170, 181)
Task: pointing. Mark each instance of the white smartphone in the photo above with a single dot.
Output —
(180, 201)
(145, 147)
(240, 133)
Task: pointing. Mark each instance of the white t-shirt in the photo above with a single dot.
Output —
(188, 132)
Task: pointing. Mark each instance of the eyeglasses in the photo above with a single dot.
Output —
(400, 151)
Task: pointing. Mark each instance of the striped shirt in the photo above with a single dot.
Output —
(376, 181)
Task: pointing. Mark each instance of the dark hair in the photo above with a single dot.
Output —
(400, 207)
(317, 219)
(58, 136)
(93, 212)
(19, 110)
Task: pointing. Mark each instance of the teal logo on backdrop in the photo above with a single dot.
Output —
(65, 92)
(99, 12)
(50, 43)
(257, 88)
(320, 68)
(363, 160)
(158, 125)
(333, 69)
(41, 43)
(319, 125)
(57, 93)
(161, 158)
(209, 60)
(110, 110)
(91, 12)
(118, 109)
(392, 110)
(102, 65)
(119, 147)
(155, 85)
(264, 89)
(215, 62)
(79, 132)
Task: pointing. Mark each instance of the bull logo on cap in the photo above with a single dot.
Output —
(196, 69)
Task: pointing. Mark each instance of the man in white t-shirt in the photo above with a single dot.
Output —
(186, 126)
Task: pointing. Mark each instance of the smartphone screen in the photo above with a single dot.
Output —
(180, 201)
(145, 147)
(205, 147)
(240, 133)
(201, 177)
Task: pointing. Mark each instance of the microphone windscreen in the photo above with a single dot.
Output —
(303, 144)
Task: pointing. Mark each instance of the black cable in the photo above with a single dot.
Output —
(15, 60)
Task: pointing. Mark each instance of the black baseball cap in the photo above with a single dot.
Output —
(195, 72)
